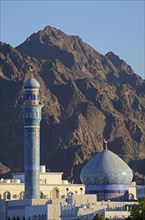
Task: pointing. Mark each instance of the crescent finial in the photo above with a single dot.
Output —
(29, 72)
(105, 144)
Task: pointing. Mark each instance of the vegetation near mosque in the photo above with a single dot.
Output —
(138, 211)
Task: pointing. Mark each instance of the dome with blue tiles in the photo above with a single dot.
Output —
(31, 83)
(106, 168)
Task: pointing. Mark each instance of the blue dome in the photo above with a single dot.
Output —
(106, 168)
(31, 83)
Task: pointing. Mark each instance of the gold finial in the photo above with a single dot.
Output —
(105, 144)
(29, 72)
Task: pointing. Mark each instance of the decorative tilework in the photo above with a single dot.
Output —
(32, 117)
(106, 168)
(108, 191)
(32, 162)
(108, 176)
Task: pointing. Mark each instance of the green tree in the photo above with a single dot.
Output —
(135, 212)
(99, 217)
(138, 211)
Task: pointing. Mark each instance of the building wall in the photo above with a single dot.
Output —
(82, 205)
(82, 199)
(51, 178)
(10, 189)
(16, 209)
(132, 193)
(45, 177)
(36, 212)
(32, 209)
(13, 191)
(116, 214)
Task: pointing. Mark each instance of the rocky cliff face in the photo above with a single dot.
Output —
(87, 97)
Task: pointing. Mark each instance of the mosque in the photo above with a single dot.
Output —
(36, 194)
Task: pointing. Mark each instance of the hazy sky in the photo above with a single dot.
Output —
(117, 26)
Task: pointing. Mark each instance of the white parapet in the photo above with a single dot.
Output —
(42, 169)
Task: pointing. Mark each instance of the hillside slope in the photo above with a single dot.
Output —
(87, 97)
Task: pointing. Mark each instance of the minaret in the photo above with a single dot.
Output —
(32, 117)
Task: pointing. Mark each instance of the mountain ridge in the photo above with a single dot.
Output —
(87, 97)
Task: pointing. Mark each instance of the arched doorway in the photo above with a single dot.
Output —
(55, 193)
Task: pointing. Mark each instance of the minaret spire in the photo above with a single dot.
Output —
(32, 117)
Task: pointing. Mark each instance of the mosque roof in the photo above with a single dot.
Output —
(106, 168)
(31, 83)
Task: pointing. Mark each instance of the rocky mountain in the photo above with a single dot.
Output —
(87, 97)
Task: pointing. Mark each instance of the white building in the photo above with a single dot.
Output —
(51, 186)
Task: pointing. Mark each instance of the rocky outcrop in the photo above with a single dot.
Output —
(87, 97)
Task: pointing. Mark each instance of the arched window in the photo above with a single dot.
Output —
(34, 97)
(67, 190)
(41, 195)
(7, 195)
(22, 195)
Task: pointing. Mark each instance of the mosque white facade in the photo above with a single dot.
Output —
(107, 186)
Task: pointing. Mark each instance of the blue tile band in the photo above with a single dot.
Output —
(105, 192)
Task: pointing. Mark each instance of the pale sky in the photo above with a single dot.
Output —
(117, 26)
